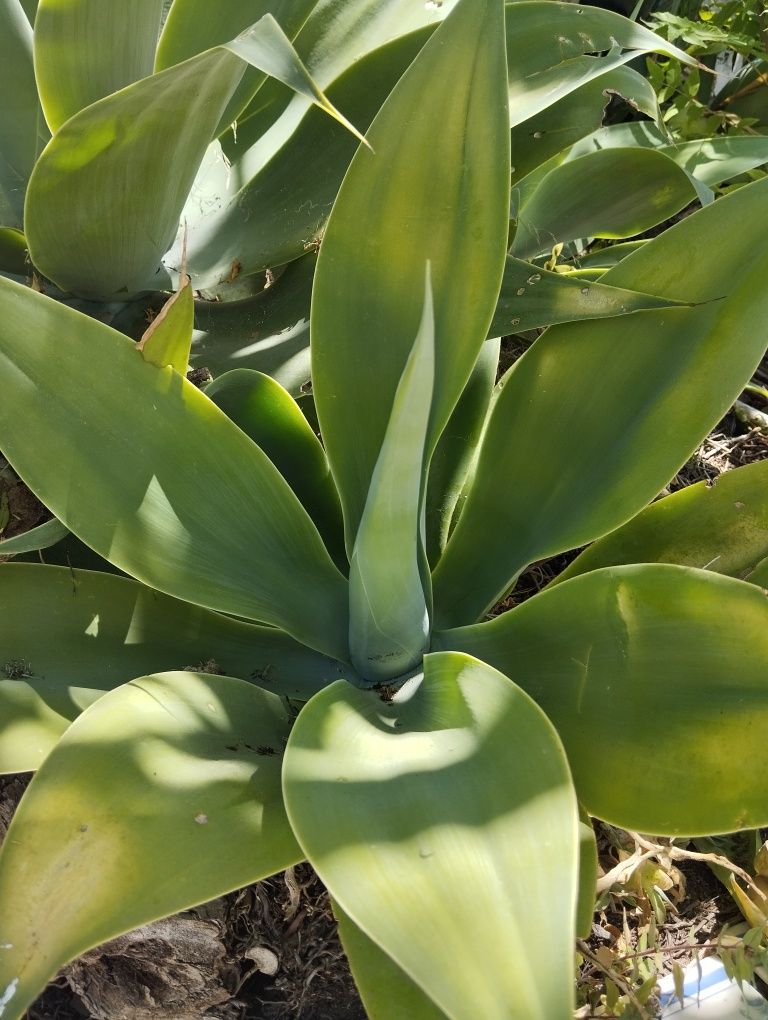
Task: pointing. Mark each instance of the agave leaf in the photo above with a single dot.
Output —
(457, 447)
(388, 603)
(155, 478)
(588, 197)
(359, 52)
(576, 115)
(67, 636)
(254, 222)
(657, 652)
(163, 794)
(666, 377)
(168, 338)
(721, 527)
(710, 160)
(103, 179)
(269, 332)
(585, 905)
(41, 537)
(714, 160)
(87, 49)
(551, 47)
(13, 252)
(759, 574)
(433, 148)
(21, 132)
(532, 297)
(272, 418)
(392, 801)
(193, 26)
(385, 989)
(606, 258)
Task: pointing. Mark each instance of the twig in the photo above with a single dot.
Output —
(619, 981)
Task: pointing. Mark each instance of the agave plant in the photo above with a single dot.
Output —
(299, 665)
(245, 182)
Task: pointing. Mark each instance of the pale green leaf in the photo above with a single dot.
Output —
(168, 338)
(388, 603)
(385, 989)
(87, 49)
(662, 669)
(532, 297)
(456, 449)
(722, 527)
(560, 464)
(253, 220)
(193, 26)
(13, 252)
(67, 636)
(163, 794)
(41, 537)
(268, 414)
(435, 149)
(268, 332)
(155, 478)
(589, 197)
(21, 132)
(588, 865)
(578, 114)
(102, 209)
(451, 804)
(551, 49)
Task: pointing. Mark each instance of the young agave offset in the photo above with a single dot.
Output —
(433, 776)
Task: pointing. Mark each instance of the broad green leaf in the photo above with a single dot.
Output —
(714, 160)
(254, 221)
(585, 905)
(163, 794)
(589, 197)
(168, 338)
(13, 252)
(21, 133)
(67, 636)
(551, 49)
(760, 574)
(272, 418)
(385, 989)
(451, 804)
(359, 51)
(101, 208)
(269, 332)
(558, 469)
(87, 49)
(535, 140)
(338, 34)
(41, 537)
(193, 26)
(710, 160)
(608, 257)
(456, 449)
(435, 150)
(388, 603)
(532, 297)
(721, 527)
(663, 668)
(155, 478)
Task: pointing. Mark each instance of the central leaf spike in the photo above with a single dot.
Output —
(389, 589)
